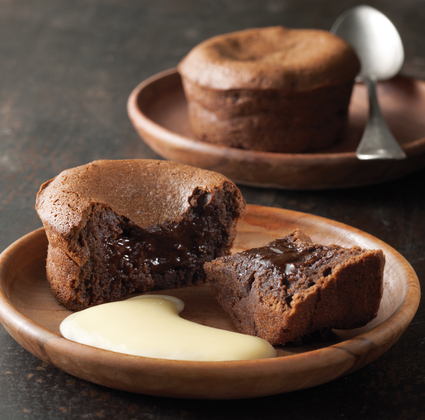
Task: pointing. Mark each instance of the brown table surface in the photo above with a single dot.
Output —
(66, 70)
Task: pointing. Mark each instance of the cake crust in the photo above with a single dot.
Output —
(271, 58)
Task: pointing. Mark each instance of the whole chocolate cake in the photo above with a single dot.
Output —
(115, 227)
(270, 89)
(292, 287)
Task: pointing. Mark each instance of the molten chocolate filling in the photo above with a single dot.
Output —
(158, 250)
(293, 267)
(280, 255)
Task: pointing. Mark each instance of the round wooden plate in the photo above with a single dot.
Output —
(32, 316)
(158, 111)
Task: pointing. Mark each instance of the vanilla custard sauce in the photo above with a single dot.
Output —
(150, 326)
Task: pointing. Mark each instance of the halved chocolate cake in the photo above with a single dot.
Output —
(115, 227)
(292, 287)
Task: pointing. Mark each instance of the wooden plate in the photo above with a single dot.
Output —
(32, 316)
(158, 111)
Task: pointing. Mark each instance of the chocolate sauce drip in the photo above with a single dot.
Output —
(282, 256)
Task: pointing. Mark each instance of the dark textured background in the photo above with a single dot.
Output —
(66, 70)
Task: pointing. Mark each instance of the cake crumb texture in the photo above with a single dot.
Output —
(292, 287)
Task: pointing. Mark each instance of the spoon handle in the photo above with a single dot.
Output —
(377, 141)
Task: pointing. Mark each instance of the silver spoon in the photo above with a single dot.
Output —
(380, 50)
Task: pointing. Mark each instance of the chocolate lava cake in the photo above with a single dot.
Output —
(115, 227)
(270, 89)
(292, 287)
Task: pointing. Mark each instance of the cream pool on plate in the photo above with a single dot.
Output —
(150, 326)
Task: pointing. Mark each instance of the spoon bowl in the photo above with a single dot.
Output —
(380, 50)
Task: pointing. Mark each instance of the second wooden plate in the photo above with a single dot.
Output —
(158, 111)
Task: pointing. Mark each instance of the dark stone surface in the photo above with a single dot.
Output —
(67, 69)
